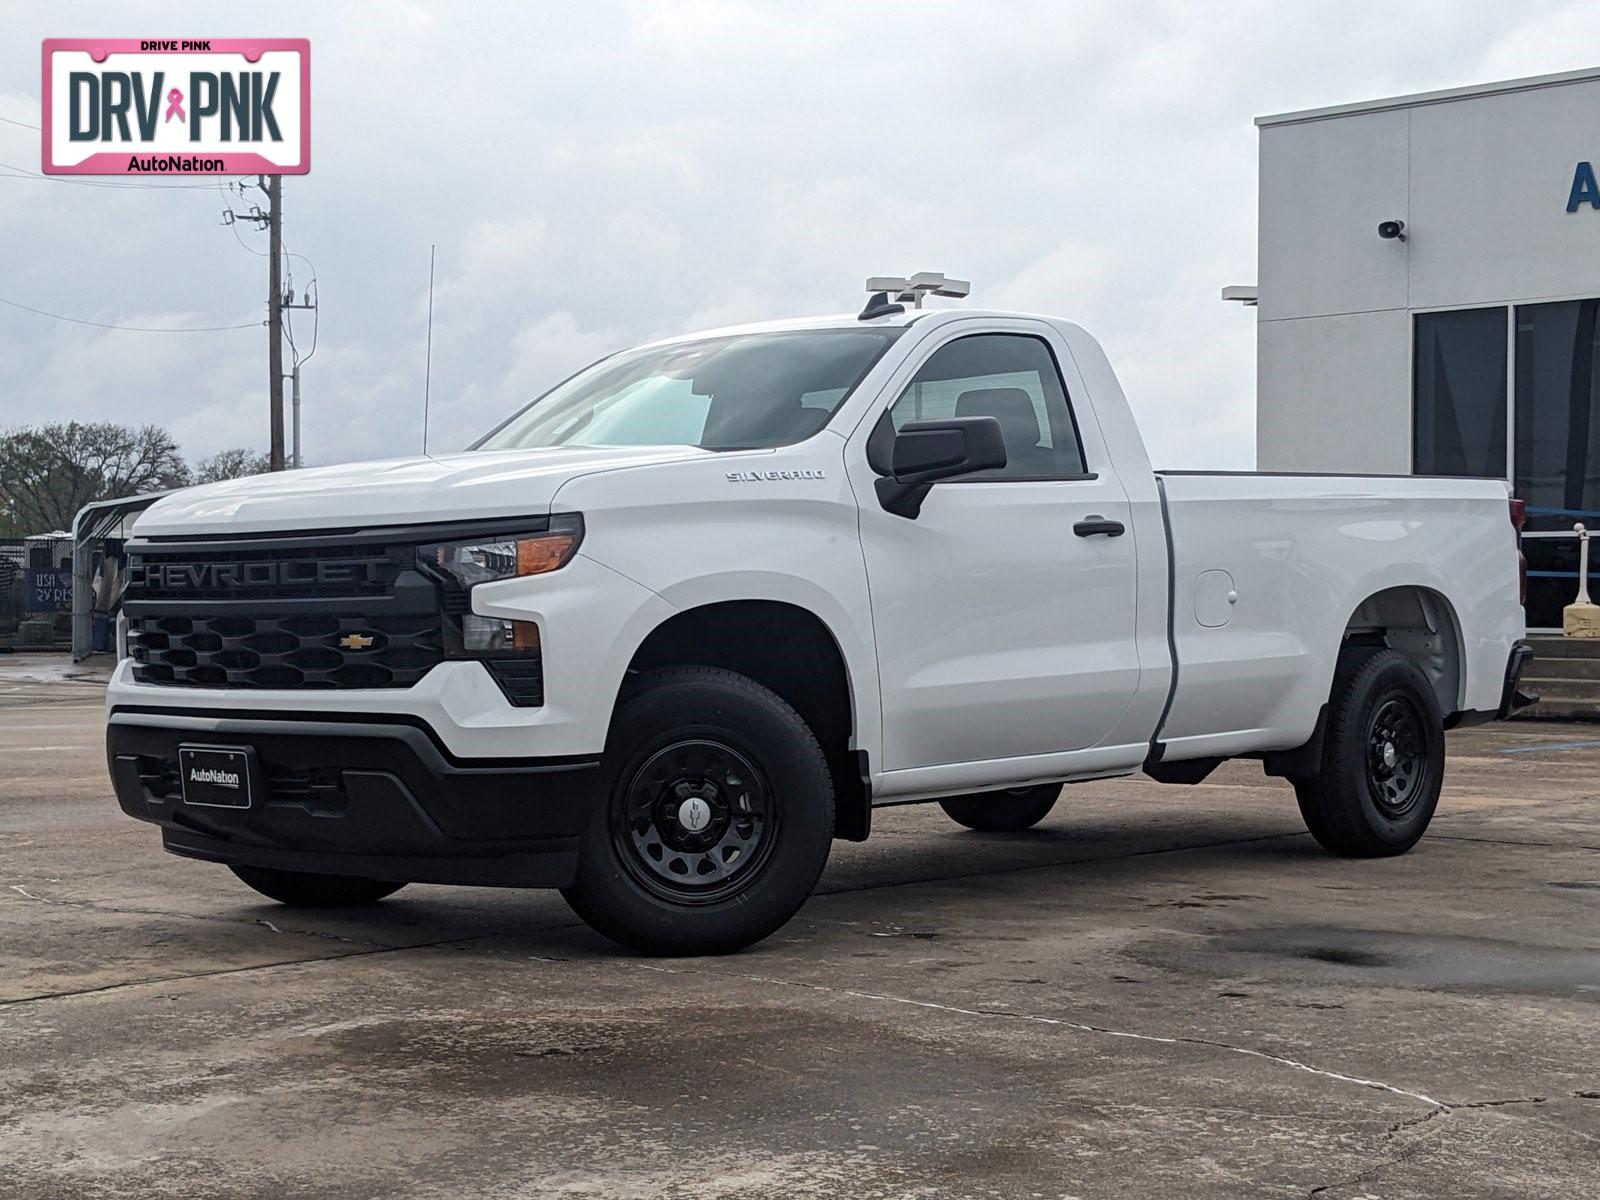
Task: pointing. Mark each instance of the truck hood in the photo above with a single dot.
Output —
(401, 491)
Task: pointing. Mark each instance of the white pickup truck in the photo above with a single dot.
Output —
(698, 610)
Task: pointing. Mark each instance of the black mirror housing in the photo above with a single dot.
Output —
(925, 452)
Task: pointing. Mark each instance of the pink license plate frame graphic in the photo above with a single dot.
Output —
(116, 162)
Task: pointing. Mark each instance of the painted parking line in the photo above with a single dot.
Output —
(1552, 746)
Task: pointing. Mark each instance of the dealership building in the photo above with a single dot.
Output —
(1428, 293)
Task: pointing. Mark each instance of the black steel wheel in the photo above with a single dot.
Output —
(1397, 757)
(713, 818)
(1382, 758)
(696, 818)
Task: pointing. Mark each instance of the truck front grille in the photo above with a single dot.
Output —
(241, 650)
(347, 612)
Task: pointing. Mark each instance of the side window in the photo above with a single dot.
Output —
(1008, 376)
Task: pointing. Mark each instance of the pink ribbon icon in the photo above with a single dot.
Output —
(175, 106)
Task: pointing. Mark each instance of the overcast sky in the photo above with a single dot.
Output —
(598, 174)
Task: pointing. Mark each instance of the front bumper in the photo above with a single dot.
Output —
(361, 795)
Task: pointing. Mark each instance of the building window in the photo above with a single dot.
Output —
(1459, 393)
(1557, 442)
(1558, 429)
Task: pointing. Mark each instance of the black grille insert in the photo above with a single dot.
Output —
(235, 651)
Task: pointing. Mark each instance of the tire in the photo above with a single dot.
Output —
(1008, 811)
(714, 816)
(1382, 759)
(300, 889)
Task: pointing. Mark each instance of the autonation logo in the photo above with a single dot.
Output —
(227, 779)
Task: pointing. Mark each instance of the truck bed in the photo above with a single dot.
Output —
(1268, 571)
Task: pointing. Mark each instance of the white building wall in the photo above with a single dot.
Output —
(1481, 178)
(1342, 393)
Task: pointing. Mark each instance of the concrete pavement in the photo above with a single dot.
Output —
(1162, 990)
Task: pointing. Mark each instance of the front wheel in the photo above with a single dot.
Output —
(713, 820)
(1382, 760)
(301, 889)
(1010, 811)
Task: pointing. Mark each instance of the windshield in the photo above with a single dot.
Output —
(746, 392)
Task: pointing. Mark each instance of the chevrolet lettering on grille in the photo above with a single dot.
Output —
(203, 576)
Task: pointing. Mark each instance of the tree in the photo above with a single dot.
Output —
(231, 464)
(49, 472)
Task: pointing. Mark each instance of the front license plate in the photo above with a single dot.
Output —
(215, 776)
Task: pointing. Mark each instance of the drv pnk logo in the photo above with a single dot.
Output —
(131, 106)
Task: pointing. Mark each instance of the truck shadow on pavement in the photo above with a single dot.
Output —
(899, 881)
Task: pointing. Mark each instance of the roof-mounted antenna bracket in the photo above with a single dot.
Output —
(924, 283)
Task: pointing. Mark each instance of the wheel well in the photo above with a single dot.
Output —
(789, 650)
(1419, 623)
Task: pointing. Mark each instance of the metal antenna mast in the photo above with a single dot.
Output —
(427, 370)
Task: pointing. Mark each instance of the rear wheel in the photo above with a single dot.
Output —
(301, 889)
(1382, 760)
(1007, 811)
(714, 819)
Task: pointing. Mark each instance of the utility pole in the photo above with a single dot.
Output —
(278, 302)
(273, 186)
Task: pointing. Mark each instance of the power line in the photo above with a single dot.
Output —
(129, 328)
(308, 296)
(308, 299)
(244, 245)
(22, 124)
(24, 173)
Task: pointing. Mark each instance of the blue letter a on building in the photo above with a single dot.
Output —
(1584, 188)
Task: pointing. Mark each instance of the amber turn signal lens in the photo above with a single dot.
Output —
(537, 555)
(524, 636)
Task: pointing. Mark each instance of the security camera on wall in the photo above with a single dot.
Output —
(1390, 230)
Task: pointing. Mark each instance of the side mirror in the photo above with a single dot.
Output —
(924, 452)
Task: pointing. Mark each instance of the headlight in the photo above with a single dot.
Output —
(482, 560)
(472, 561)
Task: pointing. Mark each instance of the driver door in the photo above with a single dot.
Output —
(1001, 633)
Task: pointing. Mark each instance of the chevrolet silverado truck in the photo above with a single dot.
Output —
(672, 628)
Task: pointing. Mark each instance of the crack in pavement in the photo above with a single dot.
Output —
(1488, 841)
(113, 910)
(1437, 1108)
(290, 962)
(1445, 1109)
(1389, 1134)
(1061, 1022)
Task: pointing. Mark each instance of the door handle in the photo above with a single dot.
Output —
(1094, 523)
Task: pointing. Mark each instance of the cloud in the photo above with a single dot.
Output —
(598, 175)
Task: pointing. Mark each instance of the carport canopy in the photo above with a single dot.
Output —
(93, 525)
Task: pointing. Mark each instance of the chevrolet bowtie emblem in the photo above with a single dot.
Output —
(356, 641)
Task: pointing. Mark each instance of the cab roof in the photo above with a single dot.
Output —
(843, 321)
